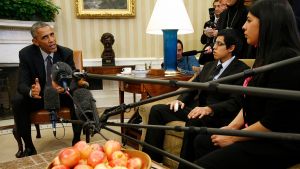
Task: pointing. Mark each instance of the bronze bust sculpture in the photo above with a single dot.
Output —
(108, 54)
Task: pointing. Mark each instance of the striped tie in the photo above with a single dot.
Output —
(215, 72)
(48, 70)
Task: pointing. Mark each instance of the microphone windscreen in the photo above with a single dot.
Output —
(51, 99)
(61, 70)
(84, 98)
(190, 53)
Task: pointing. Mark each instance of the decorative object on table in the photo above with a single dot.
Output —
(108, 54)
(105, 8)
(126, 70)
(169, 18)
(140, 73)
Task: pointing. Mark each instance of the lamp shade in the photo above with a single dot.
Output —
(169, 14)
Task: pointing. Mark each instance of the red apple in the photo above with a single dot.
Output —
(101, 166)
(84, 149)
(119, 167)
(135, 163)
(82, 161)
(83, 166)
(69, 157)
(96, 157)
(60, 167)
(111, 146)
(56, 161)
(96, 146)
(118, 158)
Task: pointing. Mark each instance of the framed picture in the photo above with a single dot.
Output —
(105, 8)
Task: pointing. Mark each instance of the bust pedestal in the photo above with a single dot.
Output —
(108, 62)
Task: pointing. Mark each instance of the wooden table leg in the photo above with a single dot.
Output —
(121, 101)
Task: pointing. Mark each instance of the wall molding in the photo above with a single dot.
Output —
(14, 35)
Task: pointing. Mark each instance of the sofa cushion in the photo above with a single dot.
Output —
(172, 144)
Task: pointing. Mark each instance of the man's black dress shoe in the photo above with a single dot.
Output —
(19, 154)
(29, 151)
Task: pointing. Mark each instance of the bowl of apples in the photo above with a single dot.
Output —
(95, 156)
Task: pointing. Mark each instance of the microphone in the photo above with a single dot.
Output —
(78, 80)
(192, 52)
(62, 74)
(85, 107)
(52, 104)
(77, 74)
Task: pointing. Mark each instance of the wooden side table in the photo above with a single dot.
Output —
(103, 70)
(96, 84)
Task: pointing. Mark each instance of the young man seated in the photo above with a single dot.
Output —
(211, 109)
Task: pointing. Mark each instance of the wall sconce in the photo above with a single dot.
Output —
(169, 18)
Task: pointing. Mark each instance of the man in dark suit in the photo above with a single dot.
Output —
(35, 61)
(296, 8)
(211, 109)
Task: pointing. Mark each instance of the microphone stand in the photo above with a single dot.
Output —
(218, 131)
(215, 86)
(201, 130)
(53, 119)
(89, 126)
(123, 107)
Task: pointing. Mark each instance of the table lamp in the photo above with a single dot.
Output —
(168, 18)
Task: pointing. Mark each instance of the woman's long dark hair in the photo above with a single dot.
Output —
(240, 3)
(278, 29)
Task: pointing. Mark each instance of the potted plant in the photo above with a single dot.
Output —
(16, 19)
(29, 10)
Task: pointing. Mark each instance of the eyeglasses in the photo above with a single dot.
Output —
(218, 43)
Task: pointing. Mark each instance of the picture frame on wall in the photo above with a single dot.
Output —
(105, 8)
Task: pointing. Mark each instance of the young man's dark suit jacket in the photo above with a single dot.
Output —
(220, 103)
(225, 106)
(32, 66)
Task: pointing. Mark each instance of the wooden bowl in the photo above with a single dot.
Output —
(144, 157)
(132, 153)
